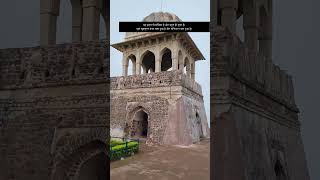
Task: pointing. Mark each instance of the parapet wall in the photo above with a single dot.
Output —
(53, 65)
(233, 58)
(160, 79)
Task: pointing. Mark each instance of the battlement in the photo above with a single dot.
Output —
(159, 79)
(233, 58)
(53, 65)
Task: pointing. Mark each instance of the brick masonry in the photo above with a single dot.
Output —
(53, 109)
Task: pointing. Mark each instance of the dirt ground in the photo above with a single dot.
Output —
(165, 163)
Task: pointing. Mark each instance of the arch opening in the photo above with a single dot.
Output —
(166, 60)
(199, 125)
(187, 67)
(131, 65)
(140, 124)
(148, 62)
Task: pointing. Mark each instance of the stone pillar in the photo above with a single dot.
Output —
(174, 57)
(133, 67)
(91, 20)
(76, 20)
(188, 70)
(158, 61)
(228, 14)
(124, 65)
(214, 12)
(265, 41)
(250, 26)
(138, 68)
(193, 70)
(49, 10)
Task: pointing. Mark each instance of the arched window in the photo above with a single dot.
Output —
(132, 65)
(148, 62)
(166, 60)
(187, 67)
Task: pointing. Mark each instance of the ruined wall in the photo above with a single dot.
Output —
(167, 97)
(53, 103)
(255, 118)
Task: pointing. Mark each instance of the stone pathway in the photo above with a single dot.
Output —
(166, 163)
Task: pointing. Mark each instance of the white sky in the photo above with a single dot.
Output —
(186, 10)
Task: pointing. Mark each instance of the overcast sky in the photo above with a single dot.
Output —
(190, 11)
(296, 48)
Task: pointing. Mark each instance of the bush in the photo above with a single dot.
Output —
(123, 149)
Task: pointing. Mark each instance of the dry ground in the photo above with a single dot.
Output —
(165, 163)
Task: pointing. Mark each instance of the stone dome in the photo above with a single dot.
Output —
(161, 17)
(153, 17)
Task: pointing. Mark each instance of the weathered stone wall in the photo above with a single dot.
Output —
(167, 97)
(255, 118)
(53, 109)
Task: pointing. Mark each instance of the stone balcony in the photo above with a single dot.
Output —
(160, 79)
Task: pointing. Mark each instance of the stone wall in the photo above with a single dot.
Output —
(53, 109)
(170, 99)
(254, 115)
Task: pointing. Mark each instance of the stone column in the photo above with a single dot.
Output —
(228, 14)
(265, 41)
(138, 68)
(124, 65)
(174, 57)
(158, 61)
(133, 67)
(250, 26)
(76, 20)
(49, 10)
(193, 70)
(188, 70)
(91, 20)
(214, 12)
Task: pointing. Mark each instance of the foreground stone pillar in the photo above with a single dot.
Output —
(250, 27)
(265, 42)
(91, 20)
(49, 10)
(76, 20)
(228, 16)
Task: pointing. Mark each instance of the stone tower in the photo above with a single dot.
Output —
(54, 102)
(160, 101)
(256, 131)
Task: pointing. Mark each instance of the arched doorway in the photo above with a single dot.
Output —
(140, 124)
(148, 62)
(89, 162)
(199, 125)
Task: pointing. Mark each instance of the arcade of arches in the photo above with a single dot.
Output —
(165, 60)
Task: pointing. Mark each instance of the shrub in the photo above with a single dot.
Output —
(124, 149)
